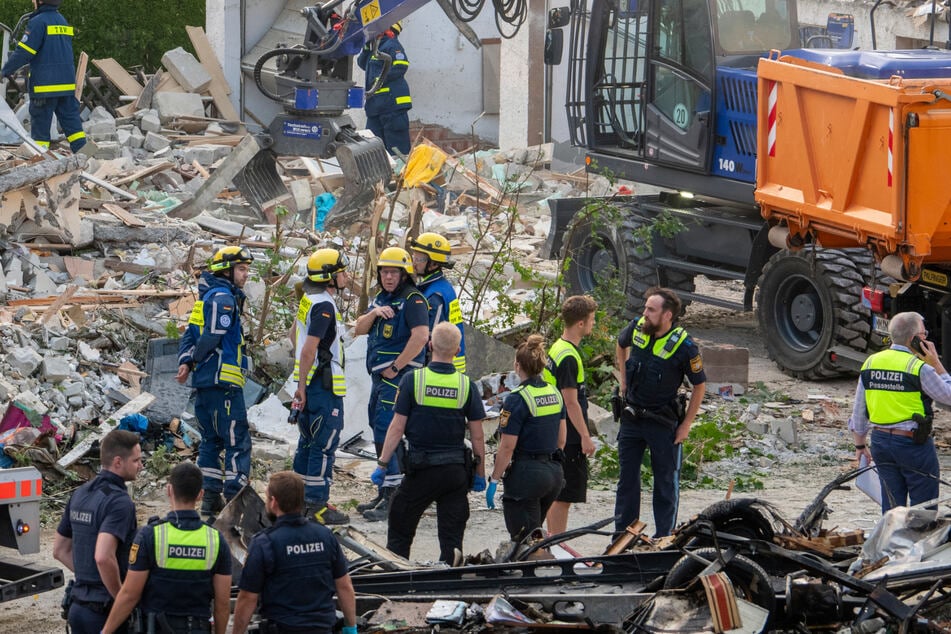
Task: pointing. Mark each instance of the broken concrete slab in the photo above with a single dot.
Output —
(186, 70)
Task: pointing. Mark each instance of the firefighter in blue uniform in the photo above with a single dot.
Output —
(532, 427)
(434, 407)
(295, 566)
(397, 324)
(387, 108)
(47, 46)
(95, 535)
(212, 352)
(318, 370)
(653, 357)
(894, 401)
(430, 256)
(178, 568)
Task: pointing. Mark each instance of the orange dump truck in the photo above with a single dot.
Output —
(847, 161)
(855, 162)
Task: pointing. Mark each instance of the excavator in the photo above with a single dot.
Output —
(791, 170)
(312, 82)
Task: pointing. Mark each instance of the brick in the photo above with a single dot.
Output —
(724, 363)
(186, 70)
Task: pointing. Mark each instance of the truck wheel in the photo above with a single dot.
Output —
(749, 579)
(598, 251)
(807, 302)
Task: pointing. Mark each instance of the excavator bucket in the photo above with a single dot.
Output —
(364, 163)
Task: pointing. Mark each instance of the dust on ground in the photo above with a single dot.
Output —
(791, 478)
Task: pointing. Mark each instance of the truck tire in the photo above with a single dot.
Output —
(749, 579)
(809, 301)
(597, 251)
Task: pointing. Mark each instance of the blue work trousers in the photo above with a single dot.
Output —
(380, 411)
(393, 128)
(90, 619)
(67, 112)
(909, 472)
(223, 420)
(320, 425)
(634, 436)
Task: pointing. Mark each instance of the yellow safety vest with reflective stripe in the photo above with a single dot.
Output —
(434, 389)
(892, 382)
(176, 549)
(559, 351)
(307, 302)
(665, 347)
(541, 400)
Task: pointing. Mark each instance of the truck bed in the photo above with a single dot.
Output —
(847, 161)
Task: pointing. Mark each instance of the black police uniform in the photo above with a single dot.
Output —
(654, 372)
(436, 465)
(102, 505)
(182, 555)
(566, 371)
(534, 478)
(293, 566)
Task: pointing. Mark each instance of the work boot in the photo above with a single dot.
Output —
(328, 515)
(211, 505)
(382, 510)
(372, 504)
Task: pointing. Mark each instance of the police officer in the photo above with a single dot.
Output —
(387, 108)
(565, 371)
(178, 567)
(432, 410)
(653, 357)
(318, 370)
(294, 566)
(397, 324)
(893, 398)
(532, 426)
(47, 46)
(430, 256)
(94, 537)
(212, 351)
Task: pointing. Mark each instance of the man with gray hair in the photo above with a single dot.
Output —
(893, 398)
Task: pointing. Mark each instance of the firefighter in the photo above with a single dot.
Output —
(434, 407)
(178, 568)
(318, 370)
(430, 256)
(397, 325)
(47, 46)
(212, 352)
(387, 108)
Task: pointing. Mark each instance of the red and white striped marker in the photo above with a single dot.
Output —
(891, 141)
(771, 119)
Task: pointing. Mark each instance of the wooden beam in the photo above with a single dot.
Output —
(81, 74)
(128, 219)
(61, 301)
(118, 76)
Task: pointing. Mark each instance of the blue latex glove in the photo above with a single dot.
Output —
(478, 484)
(490, 494)
(377, 477)
(349, 629)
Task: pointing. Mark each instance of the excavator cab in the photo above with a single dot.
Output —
(650, 84)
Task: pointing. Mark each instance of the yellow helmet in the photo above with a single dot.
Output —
(324, 263)
(226, 257)
(397, 257)
(433, 245)
(397, 28)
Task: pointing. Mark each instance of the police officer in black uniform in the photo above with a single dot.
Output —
(433, 406)
(294, 566)
(654, 357)
(177, 567)
(100, 518)
(533, 429)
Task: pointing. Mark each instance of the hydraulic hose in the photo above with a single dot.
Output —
(300, 52)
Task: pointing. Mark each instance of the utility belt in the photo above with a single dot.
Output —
(162, 623)
(324, 370)
(271, 627)
(417, 459)
(94, 606)
(919, 435)
(670, 415)
(540, 457)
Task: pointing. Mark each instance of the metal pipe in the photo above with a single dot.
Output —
(871, 18)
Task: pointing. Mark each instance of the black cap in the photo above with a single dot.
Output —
(52, 3)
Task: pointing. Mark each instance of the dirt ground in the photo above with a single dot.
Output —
(792, 476)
